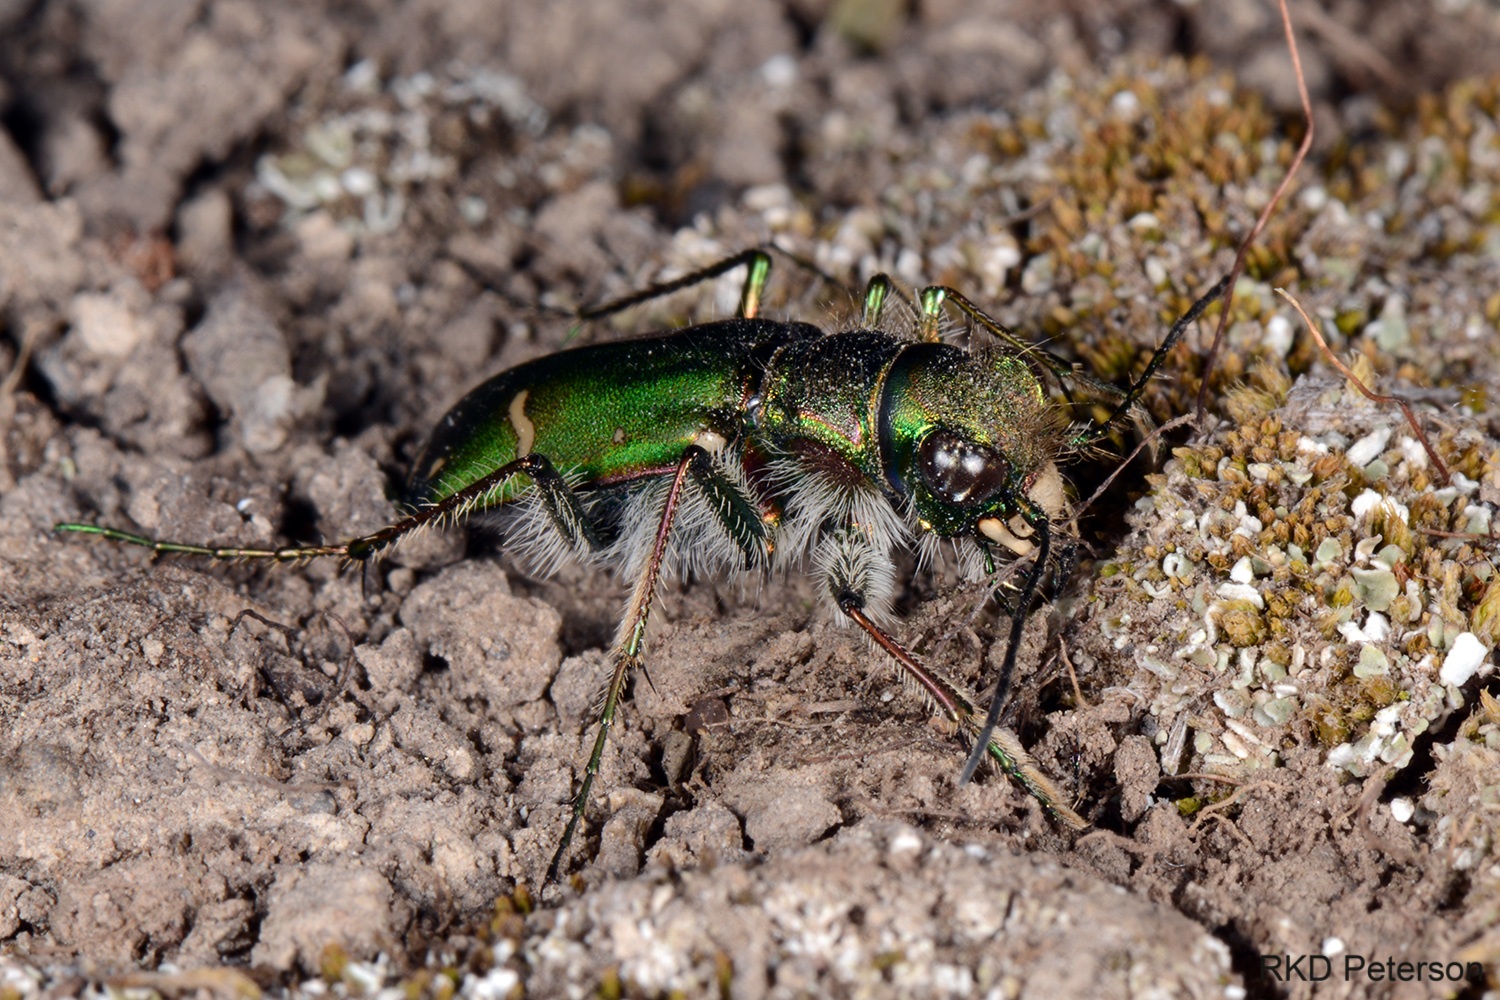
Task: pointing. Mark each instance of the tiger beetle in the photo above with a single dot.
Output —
(757, 444)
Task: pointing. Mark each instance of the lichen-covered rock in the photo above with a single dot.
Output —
(1302, 579)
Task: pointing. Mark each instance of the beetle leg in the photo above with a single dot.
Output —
(563, 507)
(1139, 386)
(999, 745)
(560, 500)
(877, 290)
(1067, 560)
(629, 648)
(1042, 535)
(739, 514)
(758, 261)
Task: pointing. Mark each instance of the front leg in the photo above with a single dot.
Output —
(852, 570)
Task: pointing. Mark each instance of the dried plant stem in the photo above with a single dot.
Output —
(1374, 397)
(1265, 215)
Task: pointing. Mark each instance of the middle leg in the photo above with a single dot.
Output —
(739, 517)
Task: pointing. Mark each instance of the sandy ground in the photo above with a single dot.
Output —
(249, 255)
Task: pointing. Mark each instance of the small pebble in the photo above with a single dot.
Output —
(1463, 659)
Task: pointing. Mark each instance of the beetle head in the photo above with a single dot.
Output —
(972, 441)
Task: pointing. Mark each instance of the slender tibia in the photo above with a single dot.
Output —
(1158, 356)
(480, 494)
(629, 648)
(876, 294)
(1002, 747)
(931, 299)
(290, 554)
(564, 508)
(934, 296)
(1043, 536)
(758, 261)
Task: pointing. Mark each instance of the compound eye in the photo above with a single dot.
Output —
(958, 471)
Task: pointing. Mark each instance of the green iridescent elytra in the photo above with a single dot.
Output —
(607, 413)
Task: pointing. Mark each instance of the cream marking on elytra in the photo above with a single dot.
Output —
(710, 440)
(524, 428)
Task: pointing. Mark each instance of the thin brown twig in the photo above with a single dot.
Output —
(1223, 820)
(1460, 836)
(1467, 536)
(827, 707)
(1123, 843)
(1025, 213)
(1373, 787)
(1208, 777)
(285, 630)
(1374, 397)
(1062, 649)
(341, 683)
(989, 589)
(1265, 215)
(23, 358)
(8, 386)
(346, 668)
(1209, 811)
(1355, 50)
